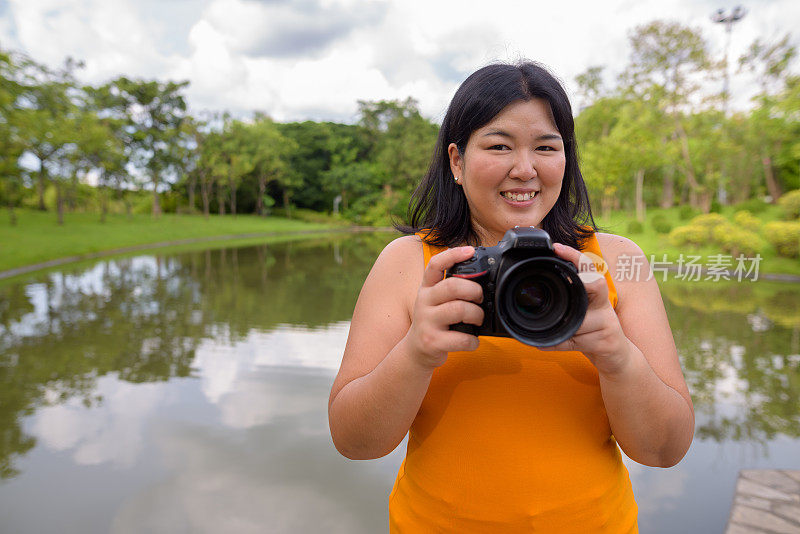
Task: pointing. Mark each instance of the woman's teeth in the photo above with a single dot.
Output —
(518, 197)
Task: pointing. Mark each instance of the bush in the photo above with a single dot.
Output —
(709, 221)
(785, 237)
(790, 202)
(635, 227)
(689, 235)
(686, 213)
(661, 224)
(716, 207)
(754, 205)
(745, 219)
(735, 240)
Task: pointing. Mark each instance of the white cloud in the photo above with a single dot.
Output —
(315, 58)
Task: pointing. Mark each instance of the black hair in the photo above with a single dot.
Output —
(439, 206)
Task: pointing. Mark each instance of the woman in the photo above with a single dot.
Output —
(504, 437)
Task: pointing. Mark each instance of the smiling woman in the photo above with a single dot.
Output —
(505, 437)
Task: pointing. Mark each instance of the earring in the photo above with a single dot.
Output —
(455, 178)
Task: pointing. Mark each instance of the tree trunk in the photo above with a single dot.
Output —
(640, 209)
(41, 183)
(192, 187)
(668, 188)
(59, 203)
(773, 188)
(204, 193)
(262, 189)
(220, 200)
(605, 205)
(286, 203)
(233, 196)
(103, 203)
(72, 193)
(156, 200)
(687, 159)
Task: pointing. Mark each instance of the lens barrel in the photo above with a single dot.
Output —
(541, 301)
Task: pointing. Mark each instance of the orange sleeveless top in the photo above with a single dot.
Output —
(512, 439)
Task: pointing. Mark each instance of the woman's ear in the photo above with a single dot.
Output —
(456, 162)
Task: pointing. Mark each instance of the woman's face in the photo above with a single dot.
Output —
(511, 170)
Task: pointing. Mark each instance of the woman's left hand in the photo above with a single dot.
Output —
(600, 337)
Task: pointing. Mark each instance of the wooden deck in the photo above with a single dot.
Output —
(766, 501)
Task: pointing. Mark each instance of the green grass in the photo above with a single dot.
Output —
(37, 238)
(653, 243)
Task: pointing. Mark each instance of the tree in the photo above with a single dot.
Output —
(403, 141)
(270, 156)
(153, 112)
(771, 128)
(668, 62)
(11, 146)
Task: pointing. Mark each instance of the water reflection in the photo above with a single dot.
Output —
(744, 375)
(187, 393)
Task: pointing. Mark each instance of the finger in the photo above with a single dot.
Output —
(443, 261)
(590, 266)
(455, 289)
(564, 346)
(458, 341)
(460, 311)
(591, 270)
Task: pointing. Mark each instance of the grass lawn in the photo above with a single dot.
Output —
(38, 238)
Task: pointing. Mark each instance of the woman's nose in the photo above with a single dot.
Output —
(524, 166)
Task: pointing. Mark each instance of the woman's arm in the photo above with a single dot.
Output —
(399, 334)
(644, 391)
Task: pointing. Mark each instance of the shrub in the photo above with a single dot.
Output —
(785, 237)
(716, 207)
(709, 221)
(754, 205)
(686, 213)
(635, 227)
(745, 219)
(689, 235)
(661, 224)
(735, 240)
(790, 202)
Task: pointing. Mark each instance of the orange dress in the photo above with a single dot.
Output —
(511, 439)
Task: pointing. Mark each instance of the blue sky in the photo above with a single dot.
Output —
(314, 59)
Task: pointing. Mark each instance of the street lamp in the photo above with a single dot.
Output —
(728, 19)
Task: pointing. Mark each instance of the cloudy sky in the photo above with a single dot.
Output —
(313, 59)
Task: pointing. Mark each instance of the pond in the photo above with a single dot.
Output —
(188, 393)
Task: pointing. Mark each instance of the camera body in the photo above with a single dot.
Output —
(529, 293)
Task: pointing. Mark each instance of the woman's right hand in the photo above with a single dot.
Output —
(440, 303)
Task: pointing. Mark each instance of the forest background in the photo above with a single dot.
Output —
(662, 136)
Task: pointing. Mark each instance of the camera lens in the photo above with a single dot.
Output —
(540, 301)
(530, 297)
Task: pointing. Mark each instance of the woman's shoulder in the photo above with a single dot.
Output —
(620, 252)
(397, 272)
(612, 245)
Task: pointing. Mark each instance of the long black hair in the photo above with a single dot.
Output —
(438, 204)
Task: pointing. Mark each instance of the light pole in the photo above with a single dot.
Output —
(728, 19)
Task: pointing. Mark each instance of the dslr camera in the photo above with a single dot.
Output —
(529, 293)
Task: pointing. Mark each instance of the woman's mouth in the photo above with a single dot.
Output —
(518, 197)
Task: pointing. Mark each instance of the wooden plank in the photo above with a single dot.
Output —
(767, 501)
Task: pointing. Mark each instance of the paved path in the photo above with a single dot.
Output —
(766, 501)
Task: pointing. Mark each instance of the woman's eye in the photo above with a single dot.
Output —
(498, 147)
(545, 148)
